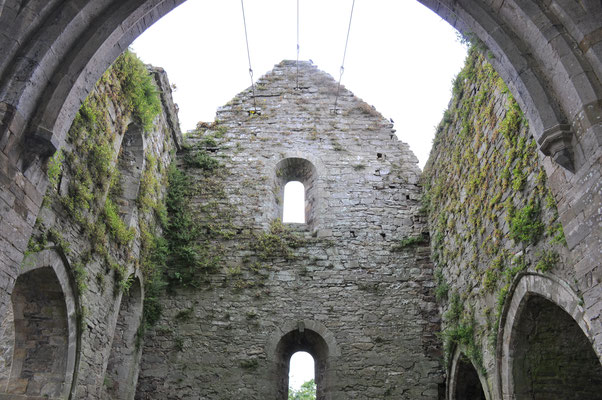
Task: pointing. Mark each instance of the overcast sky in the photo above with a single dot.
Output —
(401, 58)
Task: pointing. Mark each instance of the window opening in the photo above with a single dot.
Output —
(468, 385)
(293, 209)
(303, 340)
(298, 175)
(301, 376)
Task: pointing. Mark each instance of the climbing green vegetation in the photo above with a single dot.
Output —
(138, 90)
(461, 331)
(191, 254)
(55, 164)
(278, 242)
(525, 224)
(85, 183)
(409, 241)
(490, 212)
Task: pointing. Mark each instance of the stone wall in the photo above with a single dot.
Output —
(352, 286)
(96, 229)
(493, 221)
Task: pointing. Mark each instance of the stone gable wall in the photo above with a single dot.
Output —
(344, 275)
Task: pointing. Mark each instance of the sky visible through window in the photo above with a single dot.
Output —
(401, 57)
(301, 369)
(293, 208)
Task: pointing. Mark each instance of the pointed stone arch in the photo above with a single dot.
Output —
(45, 329)
(548, 54)
(122, 370)
(543, 324)
(465, 381)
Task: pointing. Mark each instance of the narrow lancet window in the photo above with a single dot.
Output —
(301, 376)
(293, 209)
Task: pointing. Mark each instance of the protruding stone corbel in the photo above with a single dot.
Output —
(39, 144)
(43, 141)
(556, 143)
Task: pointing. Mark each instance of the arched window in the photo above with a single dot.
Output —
(293, 203)
(291, 175)
(301, 375)
(552, 358)
(130, 165)
(303, 340)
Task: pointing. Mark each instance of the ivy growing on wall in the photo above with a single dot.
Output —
(84, 180)
(491, 214)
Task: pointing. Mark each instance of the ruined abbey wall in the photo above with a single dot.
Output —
(340, 286)
(74, 325)
(510, 296)
(517, 292)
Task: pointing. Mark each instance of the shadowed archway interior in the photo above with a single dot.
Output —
(39, 361)
(552, 358)
(122, 372)
(468, 386)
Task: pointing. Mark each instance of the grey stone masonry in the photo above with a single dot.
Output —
(103, 282)
(344, 289)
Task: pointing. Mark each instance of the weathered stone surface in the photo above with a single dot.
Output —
(343, 271)
(494, 224)
(100, 268)
(549, 54)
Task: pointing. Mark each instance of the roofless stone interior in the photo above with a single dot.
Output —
(479, 277)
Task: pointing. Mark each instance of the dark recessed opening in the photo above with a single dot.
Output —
(468, 385)
(552, 357)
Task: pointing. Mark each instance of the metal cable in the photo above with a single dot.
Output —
(344, 55)
(297, 44)
(249, 54)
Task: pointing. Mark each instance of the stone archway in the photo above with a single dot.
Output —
(548, 53)
(465, 382)
(45, 329)
(549, 56)
(546, 347)
(313, 338)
